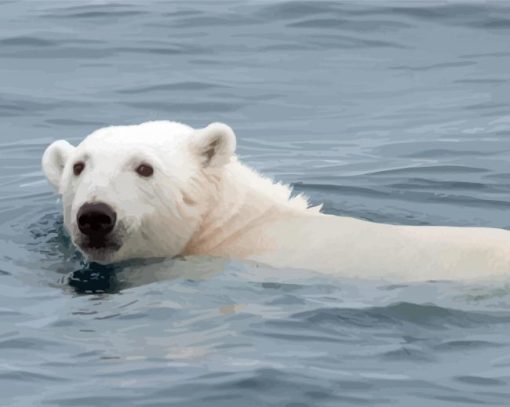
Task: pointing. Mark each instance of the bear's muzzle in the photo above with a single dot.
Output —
(96, 221)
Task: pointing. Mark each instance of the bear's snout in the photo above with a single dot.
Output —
(96, 220)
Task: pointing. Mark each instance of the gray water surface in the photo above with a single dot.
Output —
(393, 112)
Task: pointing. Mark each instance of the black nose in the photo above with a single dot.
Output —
(96, 219)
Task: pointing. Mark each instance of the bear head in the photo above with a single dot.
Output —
(140, 190)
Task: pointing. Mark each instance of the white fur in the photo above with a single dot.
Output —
(202, 201)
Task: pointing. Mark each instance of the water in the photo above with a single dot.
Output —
(397, 113)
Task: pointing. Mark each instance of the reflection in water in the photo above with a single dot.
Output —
(94, 279)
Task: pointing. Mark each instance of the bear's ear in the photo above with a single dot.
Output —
(215, 143)
(54, 160)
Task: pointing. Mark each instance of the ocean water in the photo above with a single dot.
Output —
(395, 112)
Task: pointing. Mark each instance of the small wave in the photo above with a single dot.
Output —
(198, 86)
(444, 153)
(433, 66)
(480, 381)
(429, 169)
(453, 14)
(485, 55)
(364, 26)
(229, 19)
(26, 343)
(431, 316)
(27, 376)
(407, 353)
(26, 42)
(483, 81)
(493, 23)
(465, 344)
(58, 52)
(96, 11)
(170, 107)
(427, 184)
(344, 41)
(75, 123)
(296, 9)
(163, 50)
(101, 14)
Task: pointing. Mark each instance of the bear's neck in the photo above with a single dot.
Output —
(242, 199)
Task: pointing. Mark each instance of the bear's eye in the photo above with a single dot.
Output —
(144, 170)
(78, 168)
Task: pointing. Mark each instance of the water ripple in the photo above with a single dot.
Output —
(389, 111)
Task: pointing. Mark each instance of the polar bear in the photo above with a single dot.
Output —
(164, 189)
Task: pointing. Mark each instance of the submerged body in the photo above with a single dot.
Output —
(356, 248)
(288, 234)
(162, 189)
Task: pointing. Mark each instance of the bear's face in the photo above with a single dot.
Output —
(137, 191)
